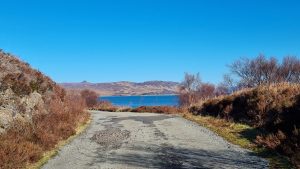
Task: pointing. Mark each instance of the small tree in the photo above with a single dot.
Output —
(205, 91)
(191, 82)
(229, 83)
(188, 89)
(90, 97)
(222, 89)
(290, 70)
(261, 71)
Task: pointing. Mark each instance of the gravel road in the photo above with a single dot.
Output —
(146, 140)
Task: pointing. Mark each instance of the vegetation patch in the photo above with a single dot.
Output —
(242, 135)
(263, 93)
(25, 143)
(36, 114)
(273, 109)
(50, 154)
(106, 106)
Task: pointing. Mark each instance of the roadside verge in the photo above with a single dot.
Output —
(50, 154)
(242, 135)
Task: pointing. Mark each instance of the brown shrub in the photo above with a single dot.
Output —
(17, 146)
(273, 108)
(272, 140)
(16, 152)
(206, 90)
(108, 109)
(125, 109)
(91, 97)
(193, 90)
(187, 99)
(188, 89)
(258, 107)
(156, 109)
(61, 122)
(25, 142)
(17, 82)
(52, 119)
(105, 106)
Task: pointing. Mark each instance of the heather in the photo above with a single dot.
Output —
(261, 92)
(35, 113)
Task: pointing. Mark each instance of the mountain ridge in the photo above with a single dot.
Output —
(124, 88)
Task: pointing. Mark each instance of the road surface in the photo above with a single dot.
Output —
(146, 140)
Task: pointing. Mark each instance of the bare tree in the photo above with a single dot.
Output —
(269, 69)
(194, 90)
(260, 70)
(249, 72)
(188, 89)
(242, 69)
(290, 70)
(205, 91)
(222, 89)
(228, 83)
(191, 82)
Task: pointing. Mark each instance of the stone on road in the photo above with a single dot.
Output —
(146, 140)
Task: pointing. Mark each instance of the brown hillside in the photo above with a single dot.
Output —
(35, 113)
(23, 91)
(275, 109)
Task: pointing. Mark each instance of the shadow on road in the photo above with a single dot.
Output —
(166, 156)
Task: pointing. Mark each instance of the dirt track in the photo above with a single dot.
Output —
(144, 140)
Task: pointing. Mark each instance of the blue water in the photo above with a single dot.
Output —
(136, 101)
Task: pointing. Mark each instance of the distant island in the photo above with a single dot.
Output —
(125, 88)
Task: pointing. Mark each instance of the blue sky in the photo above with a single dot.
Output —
(114, 40)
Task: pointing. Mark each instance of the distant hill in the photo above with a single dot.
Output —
(126, 88)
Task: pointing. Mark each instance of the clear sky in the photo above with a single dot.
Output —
(139, 40)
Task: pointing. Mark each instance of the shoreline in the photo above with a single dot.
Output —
(160, 95)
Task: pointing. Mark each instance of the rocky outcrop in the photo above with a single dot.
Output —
(23, 91)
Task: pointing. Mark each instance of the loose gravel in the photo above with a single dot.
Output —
(111, 138)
